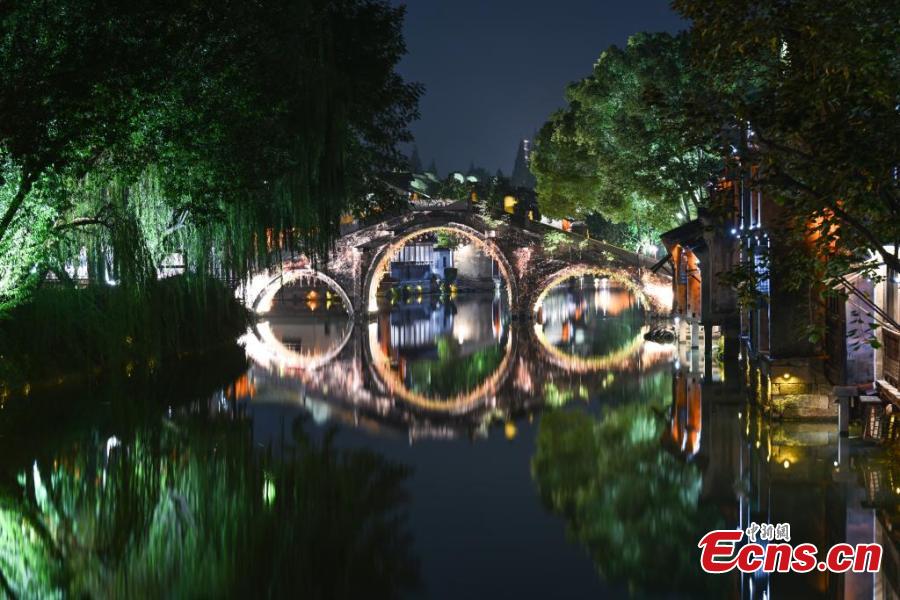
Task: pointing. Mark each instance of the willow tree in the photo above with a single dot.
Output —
(624, 147)
(172, 126)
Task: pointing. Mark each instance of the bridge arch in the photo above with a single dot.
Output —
(624, 278)
(382, 260)
(630, 356)
(261, 342)
(261, 303)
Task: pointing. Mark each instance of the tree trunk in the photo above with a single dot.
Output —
(17, 201)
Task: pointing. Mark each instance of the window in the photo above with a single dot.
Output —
(762, 273)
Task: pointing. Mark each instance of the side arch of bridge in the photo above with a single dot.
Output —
(652, 291)
(272, 284)
(263, 344)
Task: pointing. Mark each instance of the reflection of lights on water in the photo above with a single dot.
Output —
(462, 329)
(111, 442)
(319, 410)
(509, 430)
(269, 490)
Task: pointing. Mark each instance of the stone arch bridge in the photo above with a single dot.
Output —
(531, 257)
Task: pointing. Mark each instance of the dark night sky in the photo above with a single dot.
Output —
(494, 70)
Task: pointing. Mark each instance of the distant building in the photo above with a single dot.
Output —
(521, 175)
(420, 264)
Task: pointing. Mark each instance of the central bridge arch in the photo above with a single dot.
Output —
(381, 262)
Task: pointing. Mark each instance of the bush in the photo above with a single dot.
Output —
(63, 330)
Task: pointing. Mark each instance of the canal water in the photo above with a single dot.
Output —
(439, 450)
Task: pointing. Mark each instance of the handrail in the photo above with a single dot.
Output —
(868, 302)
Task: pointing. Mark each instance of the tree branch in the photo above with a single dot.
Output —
(81, 222)
(28, 179)
(874, 243)
(178, 225)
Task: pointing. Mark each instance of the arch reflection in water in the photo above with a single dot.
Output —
(306, 323)
(590, 323)
(442, 354)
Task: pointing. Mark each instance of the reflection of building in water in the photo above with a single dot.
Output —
(412, 330)
(800, 473)
(882, 490)
(416, 325)
(434, 347)
(804, 474)
(685, 423)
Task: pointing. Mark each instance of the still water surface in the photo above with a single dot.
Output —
(441, 450)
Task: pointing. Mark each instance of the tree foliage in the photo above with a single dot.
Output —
(626, 147)
(818, 85)
(124, 124)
